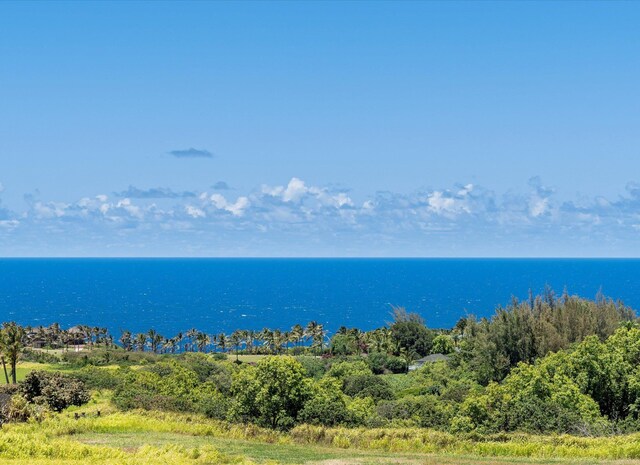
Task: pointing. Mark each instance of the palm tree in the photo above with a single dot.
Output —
(169, 345)
(236, 339)
(104, 335)
(287, 339)
(222, 341)
(297, 332)
(319, 337)
(310, 330)
(155, 339)
(179, 338)
(55, 332)
(268, 340)
(202, 341)
(380, 340)
(156, 343)
(361, 342)
(191, 334)
(4, 367)
(315, 332)
(87, 334)
(250, 339)
(12, 340)
(278, 340)
(141, 341)
(96, 333)
(126, 340)
(65, 338)
(41, 335)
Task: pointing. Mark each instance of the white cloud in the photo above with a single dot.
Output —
(440, 203)
(50, 210)
(300, 213)
(195, 212)
(9, 224)
(451, 204)
(538, 207)
(236, 208)
(127, 206)
(295, 190)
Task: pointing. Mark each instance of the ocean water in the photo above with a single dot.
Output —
(217, 295)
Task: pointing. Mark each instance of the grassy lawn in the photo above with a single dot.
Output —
(129, 434)
(284, 453)
(246, 358)
(135, 435)
(24, 368)
(294, 454)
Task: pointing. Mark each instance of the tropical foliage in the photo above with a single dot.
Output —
(550, 364)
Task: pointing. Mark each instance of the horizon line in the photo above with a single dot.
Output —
(309, 257)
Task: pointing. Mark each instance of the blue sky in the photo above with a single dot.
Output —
(319, 129)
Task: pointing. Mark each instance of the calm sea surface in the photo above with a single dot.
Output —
(216, 295)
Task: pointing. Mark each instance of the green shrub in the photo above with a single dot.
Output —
(98, 378)
(343, 344)
(532, 400)
(410, 333)
(344, 369)
(272, 393)
(214, 405)
(54, 389)
(39, 356)
(424, 411)
(396, 364)
(324, 411)
(327, 406)
(381, 362)
(314, 367)
(442, 344)
(367, 385)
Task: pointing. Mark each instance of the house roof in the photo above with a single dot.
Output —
(433, 358)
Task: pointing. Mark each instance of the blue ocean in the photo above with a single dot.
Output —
(215, 295)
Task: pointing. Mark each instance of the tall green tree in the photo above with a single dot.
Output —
(409, 332)
(202, 341)
(12, 341)
(126, 339)
(141, 341)
(272, 393)
(236, 340)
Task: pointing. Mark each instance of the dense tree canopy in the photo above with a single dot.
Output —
(551, 364)
(410, 334)
(272, 393)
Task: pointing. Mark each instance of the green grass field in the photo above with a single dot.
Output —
(177, 439)
(24, 368)
(295, 454)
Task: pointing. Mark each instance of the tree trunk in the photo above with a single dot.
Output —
(4, 367)
(13, 371)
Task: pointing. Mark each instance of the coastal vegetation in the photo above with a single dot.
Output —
(552, 376)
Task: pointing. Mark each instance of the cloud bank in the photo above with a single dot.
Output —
(298, 219)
